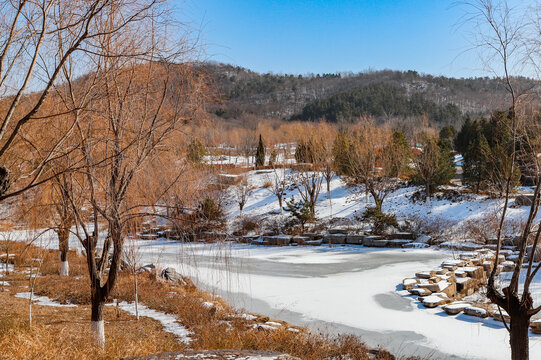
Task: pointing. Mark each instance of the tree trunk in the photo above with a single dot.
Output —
(98, 329)
(519, 340)
(378, 202)
(329, 187)
(136, 294)
(280, 203)
(63, 245)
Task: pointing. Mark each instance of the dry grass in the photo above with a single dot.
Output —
(64, 332)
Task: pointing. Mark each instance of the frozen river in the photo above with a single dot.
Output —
(339, 290)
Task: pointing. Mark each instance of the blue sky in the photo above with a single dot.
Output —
(301, 36)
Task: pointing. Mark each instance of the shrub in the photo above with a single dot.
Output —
(196, 151)
(301, 210)
(211, 210)
(380, 220)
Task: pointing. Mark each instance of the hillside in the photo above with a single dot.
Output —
(303, 97)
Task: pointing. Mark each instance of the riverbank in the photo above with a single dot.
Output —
(61, 315)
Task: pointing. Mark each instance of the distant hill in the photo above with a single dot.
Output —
(345, 96)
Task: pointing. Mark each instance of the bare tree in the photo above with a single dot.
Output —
(325, 162)
(367, 161)
(140, 98)
(242, 191)
(309, 183)
(64, 219)
(279, 181)
(501, 35)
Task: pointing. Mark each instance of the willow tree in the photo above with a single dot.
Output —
(37, 40)
(138, 109)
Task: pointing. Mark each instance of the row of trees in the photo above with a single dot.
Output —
(488, 146)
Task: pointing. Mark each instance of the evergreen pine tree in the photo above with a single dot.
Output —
(305, 152)
(260, 154)
(446, 169)
(476, 160)
(341, 149)
(400, 154)
(196, 151)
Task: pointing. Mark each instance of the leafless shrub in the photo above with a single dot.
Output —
(433, 225)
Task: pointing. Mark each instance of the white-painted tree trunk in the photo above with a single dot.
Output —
(98, 331)
(64, 268)
(30, 308)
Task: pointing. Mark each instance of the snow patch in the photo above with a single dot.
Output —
(42, 300)
(169, 322)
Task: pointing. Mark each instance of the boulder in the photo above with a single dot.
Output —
(400, 236)
(313, 236)
(229, 179)
(535, 326)
(432, 301)
(523, 200)
(455, 308)
(465, 286)
(435, 287)
(425, 274)
(355, 239)
(466, 255)
(501, 317)
(379, 243)
(277, 240)
(259, 241)
(146, 268)
(475, 272)
(415, 245)
(450, 289)
(537, 253)
(337, 239)
(300, 240)
(508, 266)
(398, 242)
(420, 292)
(337, 231)
(452, 264)
(487, 265)
(423, 239)
(476, 311)
(409, 283)
(442, 271)
(172, 276)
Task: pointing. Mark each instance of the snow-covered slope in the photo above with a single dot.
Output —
(347, 202)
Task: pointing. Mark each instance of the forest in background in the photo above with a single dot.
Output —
(398, 98)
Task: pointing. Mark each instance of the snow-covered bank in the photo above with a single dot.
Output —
(347, 203)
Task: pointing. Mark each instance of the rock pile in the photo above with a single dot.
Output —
(338, 236)
(450, 284)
